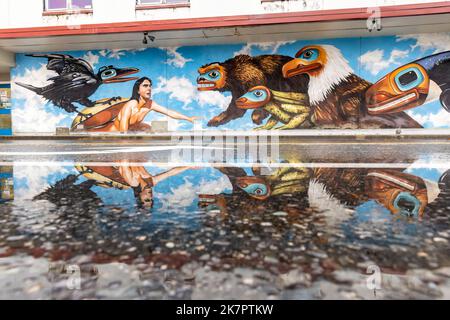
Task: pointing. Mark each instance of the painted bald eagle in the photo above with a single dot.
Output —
(336, 94)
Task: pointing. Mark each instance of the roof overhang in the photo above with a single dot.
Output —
(404, 19)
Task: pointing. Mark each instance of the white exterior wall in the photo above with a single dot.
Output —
(23, 14)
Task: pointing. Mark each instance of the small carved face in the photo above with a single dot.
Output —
(309, 60)
(404, 88)
(255, 187)
(256, 97)
(212, 77)
(397, 191)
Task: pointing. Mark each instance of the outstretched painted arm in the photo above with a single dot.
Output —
(170, 173)
(171, 113)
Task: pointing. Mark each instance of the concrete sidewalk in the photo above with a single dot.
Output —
(441, 134)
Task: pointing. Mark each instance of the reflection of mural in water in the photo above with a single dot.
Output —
(122, 177)
(267, 188)
(277, 186)
(284, 189)
(323, 86)
(399, 192)
(6, 184)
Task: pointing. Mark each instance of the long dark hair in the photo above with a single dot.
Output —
(138, 190)
(135, 95)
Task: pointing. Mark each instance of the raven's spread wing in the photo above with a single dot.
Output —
(64, 64)
(67, 192)
(66, 83)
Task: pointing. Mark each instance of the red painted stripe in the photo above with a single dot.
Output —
(228, 21)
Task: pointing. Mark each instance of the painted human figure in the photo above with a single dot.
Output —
(131, 116)
(142, 182)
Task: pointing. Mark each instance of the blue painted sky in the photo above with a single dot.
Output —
(174, 73)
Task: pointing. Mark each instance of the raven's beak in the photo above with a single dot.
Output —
(393, 93)
(121, 73)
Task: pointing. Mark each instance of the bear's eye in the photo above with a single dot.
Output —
(307, 54)
(214, 74)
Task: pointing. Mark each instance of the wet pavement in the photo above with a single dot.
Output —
(171, 220)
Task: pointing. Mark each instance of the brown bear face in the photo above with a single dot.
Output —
(212, 77)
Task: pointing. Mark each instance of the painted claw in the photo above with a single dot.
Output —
(259, 128)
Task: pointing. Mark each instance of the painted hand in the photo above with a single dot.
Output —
(193, 119)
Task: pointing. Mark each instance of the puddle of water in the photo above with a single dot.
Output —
(287, 229)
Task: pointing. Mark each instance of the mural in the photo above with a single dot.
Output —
(387, 82)
(5, 110)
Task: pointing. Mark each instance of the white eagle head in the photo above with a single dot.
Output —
(324, 64)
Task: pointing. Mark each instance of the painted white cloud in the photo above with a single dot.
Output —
(118, 53)
(440, 119)
(429, 41)
(31, 116)
(213, 98)
(375, 61)
(269, 47)
(35, 179)
(91, 58)
(187, 193)
(178, 88)
(176, 59)
(183, 90)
